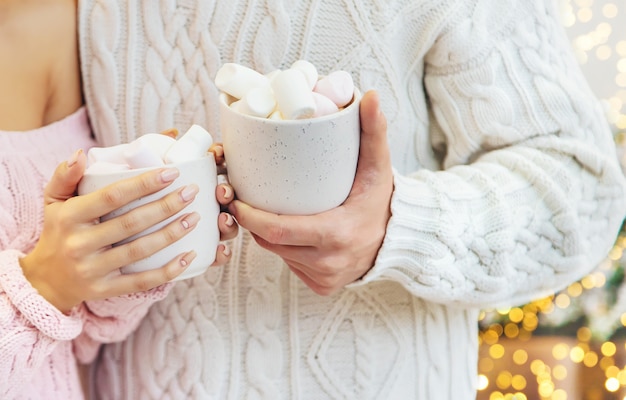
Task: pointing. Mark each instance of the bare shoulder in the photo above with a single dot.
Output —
(38, 44)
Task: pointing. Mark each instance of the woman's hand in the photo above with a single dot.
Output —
(73, 261)
(334, 248)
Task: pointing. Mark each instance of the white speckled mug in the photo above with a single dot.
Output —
(204, 238)
(296, 167)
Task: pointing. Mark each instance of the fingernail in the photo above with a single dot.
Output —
(226, 251)
(74, 158)
(229, 220)
(228, 192)
(169, 174)
(190, 220)
(189, 192)
(171, 132)
(187, 259)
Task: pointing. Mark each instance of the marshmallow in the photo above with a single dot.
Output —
(337, 86)
(309, 71)
(104, 167)
(272, 74)
(324, 105)
(293, 96)
(114, 154)
(236, 79)
(158, 142)
(192, 145)
(258, 102)
(139, 154)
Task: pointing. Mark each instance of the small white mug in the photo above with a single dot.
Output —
(204, 238)
(296, 167)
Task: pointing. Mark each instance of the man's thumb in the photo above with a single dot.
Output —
(374, 154)
(65, 179)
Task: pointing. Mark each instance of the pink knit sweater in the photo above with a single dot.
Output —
(39, 345)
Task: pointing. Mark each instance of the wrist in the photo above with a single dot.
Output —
(42, 285)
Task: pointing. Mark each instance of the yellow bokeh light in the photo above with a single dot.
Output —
(588, 282)
(610, 10)
(518, 382)
(530, 321)
(520, 357)
(503, 381)
(621, 377)
(583, 334)
(620, 47)
(584, 14)
(483, 382)
(620, 80)
(537, 367)
(511, 330)
(559, 394)
(490, 336)
(496, 351)
(612, 385)
(591, 359)
(560, 351)
(606, 362)
(485, 364)
(516, 315)
(576, 289)
(604, 52)
(562, 301)
(621, 122)
(503, 311)
(496, 396)
(621, 67)
(604, 30)
(546, 389)
(559, 372)
(577, 354)
(608, 349)
(612, 372)
(598, 277)
(616, 253)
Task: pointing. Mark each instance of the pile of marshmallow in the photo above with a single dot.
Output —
(294, 93)
(150, 150)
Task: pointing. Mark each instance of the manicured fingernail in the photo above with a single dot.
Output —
(189, 192)
(74, 158)
(187, 259)
(229, 220)
(169, 174)
(228, 192)
(226, 251)
(190, 220)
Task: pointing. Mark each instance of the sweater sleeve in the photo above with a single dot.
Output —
(112, 320)
(30, 327)
(531, 195)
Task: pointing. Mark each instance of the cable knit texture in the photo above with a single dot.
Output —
(506, 188)
(39, 345)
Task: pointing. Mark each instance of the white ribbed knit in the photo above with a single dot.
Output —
(506, 188)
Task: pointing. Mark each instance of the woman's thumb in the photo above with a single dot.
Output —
(65, 179)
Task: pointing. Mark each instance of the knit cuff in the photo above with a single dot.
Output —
(113, 319)
(31, 305)
(412, 252)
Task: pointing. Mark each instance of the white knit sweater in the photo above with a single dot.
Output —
(506, 189)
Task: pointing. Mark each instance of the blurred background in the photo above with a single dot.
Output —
(572, 345)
